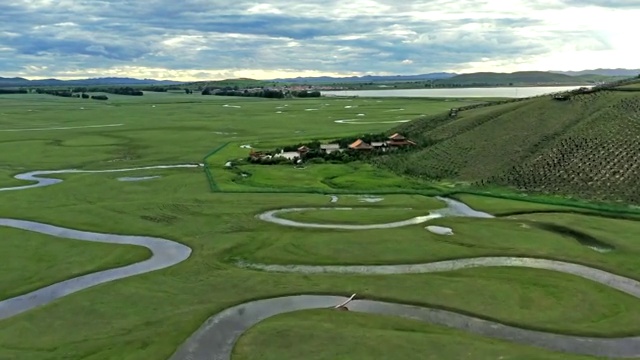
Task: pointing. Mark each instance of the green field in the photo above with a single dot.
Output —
(359, 336)
(148, 316)
(355, 216)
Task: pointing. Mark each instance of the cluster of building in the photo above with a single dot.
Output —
(393, 142)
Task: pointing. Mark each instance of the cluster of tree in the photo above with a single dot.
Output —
(154, 88)
(124, 91)
(261, 92)
(13, 91)
(271, 161)
(69, 93)
(265, 93)
(315, 157)
(318, 156)
(62, 93)
(112, 90)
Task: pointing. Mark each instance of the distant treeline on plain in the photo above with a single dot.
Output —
(68, 93)
(13, 91)
(265, 93)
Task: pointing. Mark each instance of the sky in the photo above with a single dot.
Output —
(217, 39)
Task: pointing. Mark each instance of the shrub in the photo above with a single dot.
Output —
(317, 160)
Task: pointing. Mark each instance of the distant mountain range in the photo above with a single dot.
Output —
(602, 72)
(479, 77)
(368, 78)
(529, 77)
(523, 78)
(18, 81)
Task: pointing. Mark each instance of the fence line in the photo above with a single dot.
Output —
(576, 204)
(207, 170)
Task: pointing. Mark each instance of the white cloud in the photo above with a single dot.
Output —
(200, 39)
(263, 9)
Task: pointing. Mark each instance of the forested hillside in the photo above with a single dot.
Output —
(588, 146)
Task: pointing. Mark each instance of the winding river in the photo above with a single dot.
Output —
(216, 337)
(40, 181)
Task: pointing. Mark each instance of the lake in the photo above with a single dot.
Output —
(488, 92)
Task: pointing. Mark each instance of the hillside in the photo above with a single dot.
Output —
(518, 78)
(602, 72)
(585, 147)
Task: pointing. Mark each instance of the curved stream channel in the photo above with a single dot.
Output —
(216, 337)
(165, 252)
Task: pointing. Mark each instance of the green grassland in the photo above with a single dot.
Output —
(32, 261)
(338, 335)
(323, 177)
(353, 216)
(583, 148)
(202, 121)
(148, 316)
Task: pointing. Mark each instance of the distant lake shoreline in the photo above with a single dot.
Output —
(484, 92)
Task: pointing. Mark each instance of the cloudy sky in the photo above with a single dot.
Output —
(215, 39)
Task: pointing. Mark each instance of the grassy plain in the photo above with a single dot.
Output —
(364, 336)
(32, 261)
(354, 216)
(148, 316)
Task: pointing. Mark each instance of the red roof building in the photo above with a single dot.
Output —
(360, 145)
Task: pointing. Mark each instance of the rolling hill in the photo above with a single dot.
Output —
(603, 72)
(366, 78)
(586, 147)
(478, 79)
(20, 82)
(522, 78)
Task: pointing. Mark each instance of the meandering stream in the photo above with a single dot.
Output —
(41, 181)
(165, 253)
(216, 337)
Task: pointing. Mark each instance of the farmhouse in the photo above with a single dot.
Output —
(257, 155)
(329, 148)
(397, 140)
(379, 145)
(303, 150)
(360, 145)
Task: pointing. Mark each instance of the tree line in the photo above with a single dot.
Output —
(69, 93)
(13, 91)
(264, 93)
(125, 90)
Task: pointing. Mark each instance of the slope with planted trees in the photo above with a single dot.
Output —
(586, 147)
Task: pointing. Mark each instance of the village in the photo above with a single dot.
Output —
(315, 150)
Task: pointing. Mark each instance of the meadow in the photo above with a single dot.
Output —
(149, 316)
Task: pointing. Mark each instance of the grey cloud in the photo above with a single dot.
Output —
(219, 34)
